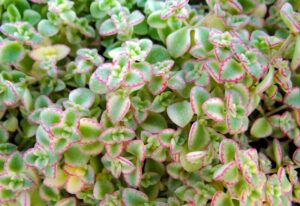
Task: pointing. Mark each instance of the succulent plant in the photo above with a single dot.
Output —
(149, 102)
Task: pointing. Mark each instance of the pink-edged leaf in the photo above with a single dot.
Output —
(227, 173)
(70, 201)
(74, 185)
(221, 199)
(261, 128)
(227, 150)
(180, 113)
(89, 130)
(132, 197)
(163, 67)
(108, 28)
(277, 150)
(235, 124)
(266, 82)
(137, 148)
(134, 79)
(97, 86)
(144, 68)
(54, 52)
(296, 60)
(195, 157)
(58, 181)
(199, 137)
(174, 169)
(160, 154)
(117, 134)
(273, 190)
(102, 187)
(286, 186)
(296, 156)
(165, 137)
(134, 178)
(231, 71)
(135, 18)
(114, 150)
(117, 107)
(214, 108)
(25, 199)
(287, 122)
(158, 84)
(289, 17)
(213, 68)
(82, 96)
(94, 148)
(198, 96)
(179, 42)
(127, 166)
(292, 98)
(51, 116)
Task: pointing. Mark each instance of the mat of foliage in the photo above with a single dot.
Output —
(149, 103)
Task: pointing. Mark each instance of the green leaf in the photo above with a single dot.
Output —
(227, 173)
(214, 108)
(82, 96)
(11, 52)
(74, 185)
(101, 188)
(89, 129)
(47, 28)
(199, 137)
(261, 128)
(31, 16)
(15, 163)
(179, 42)
(70, 201)
(117, 107)
(132, 197)
(221, 199)
(107, 28)
(292, 98)
(227, 150)
(180, 113)
(296, 156)
(288, 16)
(155, 21)
(198, 95)
(296, 55)
(231, 70)
(73, 156)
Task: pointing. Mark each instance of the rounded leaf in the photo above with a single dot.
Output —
(261, 128)
(180, 113)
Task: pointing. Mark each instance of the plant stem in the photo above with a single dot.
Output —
(277, 110)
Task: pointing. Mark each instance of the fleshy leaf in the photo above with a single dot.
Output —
(11, 52)
(261, 128)
(214, 108)
(134, 197)
(292, 98)
(231, 70)
(117, 107)
(289, 18)
(180, 113)
(199, 137)
(220, 199)
(179, 42)
(227, 150)
(227, 173)
(198, 96)
(15, 163)
(82, 96)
